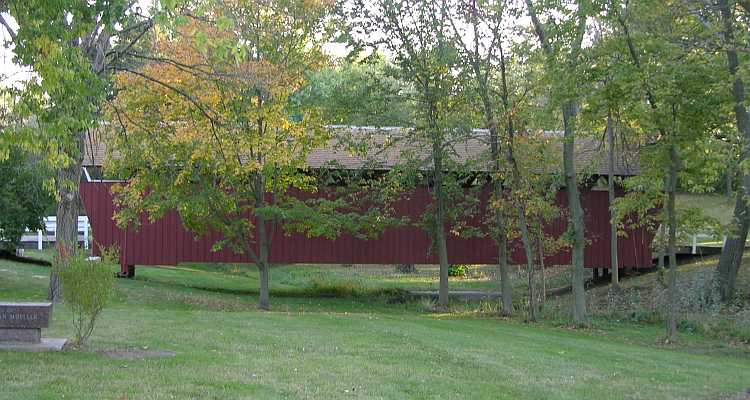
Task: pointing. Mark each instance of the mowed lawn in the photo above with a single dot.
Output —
(357, 347)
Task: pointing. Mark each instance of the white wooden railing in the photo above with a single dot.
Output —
(50, 232)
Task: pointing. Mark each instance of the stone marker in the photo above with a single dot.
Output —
(21, 327)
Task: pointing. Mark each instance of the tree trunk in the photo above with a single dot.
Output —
(66, 231)
(522, 224)
(264, 239)
(529, 251)
(576, 216)
(533, 306)
(614, 266)
(436, 137)
(569, 111)
(731, 256)
(501, 238)
(540, 249)
(440, 225)
(672, 222)
(662, 248)
(729, 178)
(264, 302)
(505, 283)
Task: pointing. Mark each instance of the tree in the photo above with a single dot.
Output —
(679, 84)
(72, 46)
(362, 93)
(24, 198)
(205, 128)
(612, 99)
(414, 33)
(480, 36)
(484, 36)
(562, 48)
(733, 30)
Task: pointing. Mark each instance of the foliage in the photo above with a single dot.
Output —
(72, 47)
(644, 300)
(362, 93)
(88, 288)
(413, 33)
(458, 270)
(24, 199)
(210, 135)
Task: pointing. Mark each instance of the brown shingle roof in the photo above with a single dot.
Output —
(389, 146)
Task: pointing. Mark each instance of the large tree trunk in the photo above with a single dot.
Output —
(501, 238)
(576, 216)
(614, 266)
(69, 202)
(672, 247)
(731, 256)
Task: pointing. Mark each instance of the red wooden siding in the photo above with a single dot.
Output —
(167, 242)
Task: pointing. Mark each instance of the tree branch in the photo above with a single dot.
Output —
(10, 30)
(185, 95)
(539, 28)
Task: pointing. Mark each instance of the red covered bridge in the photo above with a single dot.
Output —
(168, 242)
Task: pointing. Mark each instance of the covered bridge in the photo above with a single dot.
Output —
(168, 242)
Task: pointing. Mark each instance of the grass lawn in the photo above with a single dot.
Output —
(714, 205)
(354, 347)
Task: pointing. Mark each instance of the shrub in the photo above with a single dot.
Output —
(87, 288)
(428, 304)
(458, 270)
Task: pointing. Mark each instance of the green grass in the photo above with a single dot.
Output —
(713, 205)
(355, 347)
(301, 280)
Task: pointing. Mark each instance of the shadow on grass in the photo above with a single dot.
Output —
(4, 254)
(316, 289)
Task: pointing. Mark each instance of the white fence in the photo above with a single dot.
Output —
(702, 238)
(49, 234)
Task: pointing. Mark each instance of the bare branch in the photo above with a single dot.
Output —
(119, 52)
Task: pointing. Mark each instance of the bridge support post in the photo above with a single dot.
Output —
(126, 271)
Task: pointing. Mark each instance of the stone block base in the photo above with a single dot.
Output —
(46, 344)
(26, 335)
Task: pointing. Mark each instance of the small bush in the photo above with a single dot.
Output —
(428, 304)
(87, 288)
(458, 270)
(489, 307)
